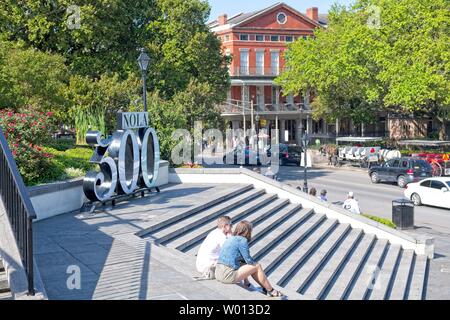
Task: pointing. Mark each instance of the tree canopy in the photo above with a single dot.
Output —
(376, 55)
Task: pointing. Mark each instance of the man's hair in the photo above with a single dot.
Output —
(223, 221)
(243, 229)
(313, 191)
(323, 192)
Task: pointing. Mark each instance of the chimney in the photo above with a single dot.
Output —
(223, 19)
(313, 13)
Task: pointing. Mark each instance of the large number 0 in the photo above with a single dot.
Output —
(124, 158)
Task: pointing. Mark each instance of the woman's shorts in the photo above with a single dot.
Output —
(225, 274)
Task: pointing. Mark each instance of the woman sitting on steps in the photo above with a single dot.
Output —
(235, 249)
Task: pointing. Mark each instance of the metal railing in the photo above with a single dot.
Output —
(271, 71)
(237, 107)
(18, 207)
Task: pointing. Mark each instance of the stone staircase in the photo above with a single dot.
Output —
(5, 292)
(303, 252)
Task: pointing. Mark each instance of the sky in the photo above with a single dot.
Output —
(232, 7)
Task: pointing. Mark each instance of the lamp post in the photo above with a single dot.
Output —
(305, 142)
(257, 139)
(143, 61)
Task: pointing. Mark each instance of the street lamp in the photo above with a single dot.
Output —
(257, 139)
(305, 142)
(143, 61)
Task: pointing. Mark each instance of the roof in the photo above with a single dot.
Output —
(243, 17)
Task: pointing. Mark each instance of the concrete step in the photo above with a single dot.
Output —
(6, 296)
(345, 275)
(283, 271)
(400, 283)
(335, 262)
(4, 284)
(180, 227)
(307, 271)
(367, 274)
(169, 218)
(188, 239)
(2, 267)
(387, 271)
(417, 282)
(273, 221)
(288, 244)
(256, 217)
(274, 236)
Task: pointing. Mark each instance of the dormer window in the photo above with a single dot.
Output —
(281, 18)
(243, 37)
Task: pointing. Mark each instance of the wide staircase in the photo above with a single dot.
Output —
(302, 252)
(5, 292)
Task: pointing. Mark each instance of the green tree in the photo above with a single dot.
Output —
(31, 78)
(356, 69)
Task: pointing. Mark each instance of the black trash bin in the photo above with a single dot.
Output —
(403, 214)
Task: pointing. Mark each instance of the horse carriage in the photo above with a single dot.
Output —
(354, 153)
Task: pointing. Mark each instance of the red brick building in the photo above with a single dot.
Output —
(257, 42)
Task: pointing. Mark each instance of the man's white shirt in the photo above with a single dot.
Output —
(352, 206)
(209, 251)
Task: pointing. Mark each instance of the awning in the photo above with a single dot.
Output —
(426, 143)
(358, 139)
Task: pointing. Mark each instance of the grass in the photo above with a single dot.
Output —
(386, 222)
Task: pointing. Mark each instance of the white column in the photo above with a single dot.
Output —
(282, 130)
(277, 98)
(308, 124)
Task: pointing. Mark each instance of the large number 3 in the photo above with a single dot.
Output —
(125, 158)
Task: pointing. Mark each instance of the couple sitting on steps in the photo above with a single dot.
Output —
(225, 256)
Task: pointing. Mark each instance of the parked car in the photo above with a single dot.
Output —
(433, 191)
(401, 170)
(287, 154)
(250, 156)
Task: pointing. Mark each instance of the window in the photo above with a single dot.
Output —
(289, 38)
(281, 18)
(243, 37)
(260, 62)
(274, 62)
(274, 38)
(437, 185)
(259, 37)
(227, 37)
(244, 62)
(425, 184)
(395, 163)
(305, 37)
(404, 164)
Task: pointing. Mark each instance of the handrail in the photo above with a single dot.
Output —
(18, 207)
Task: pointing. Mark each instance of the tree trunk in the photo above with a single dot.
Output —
(442, 128)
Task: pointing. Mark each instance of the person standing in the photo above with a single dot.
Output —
(351, 204)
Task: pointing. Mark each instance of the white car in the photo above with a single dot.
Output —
(431, 191)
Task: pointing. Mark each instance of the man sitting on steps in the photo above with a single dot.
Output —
(209, 251)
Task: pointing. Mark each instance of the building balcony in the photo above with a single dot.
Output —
(246, 71)
(236, 107)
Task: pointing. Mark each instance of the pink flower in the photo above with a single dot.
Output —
(10, 114)
(14, 152)
(49, 114)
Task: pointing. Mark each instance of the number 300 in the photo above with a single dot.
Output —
(127, 160)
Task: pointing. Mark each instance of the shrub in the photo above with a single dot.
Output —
(26, 133)
(386, 222)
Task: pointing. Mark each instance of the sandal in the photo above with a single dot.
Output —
(274, 293)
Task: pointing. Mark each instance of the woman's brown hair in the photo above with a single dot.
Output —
(243, 229)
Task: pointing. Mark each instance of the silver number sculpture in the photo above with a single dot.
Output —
(126, 161)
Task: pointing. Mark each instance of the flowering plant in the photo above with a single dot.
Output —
(26, 133)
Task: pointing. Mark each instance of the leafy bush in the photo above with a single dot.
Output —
(61, 144)
(386, 222)
(26, 133)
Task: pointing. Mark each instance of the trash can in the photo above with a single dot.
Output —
(403, 214)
